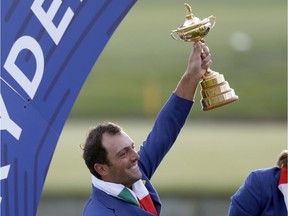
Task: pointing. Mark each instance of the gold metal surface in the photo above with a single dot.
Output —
(215, 90)
(193, 29)
(220, 100)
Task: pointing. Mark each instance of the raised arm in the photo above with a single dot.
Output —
(174, 113)
(199, 61)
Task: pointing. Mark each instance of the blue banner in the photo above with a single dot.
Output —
(48, 48)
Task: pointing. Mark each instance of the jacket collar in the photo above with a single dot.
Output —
(119, 206)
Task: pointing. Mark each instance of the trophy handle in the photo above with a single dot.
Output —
(177, 37)
(212, 19)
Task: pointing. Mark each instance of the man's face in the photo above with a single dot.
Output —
(123, 168)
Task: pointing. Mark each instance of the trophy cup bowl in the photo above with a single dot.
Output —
(215, 90)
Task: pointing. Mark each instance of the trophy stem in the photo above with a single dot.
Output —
(208, 73)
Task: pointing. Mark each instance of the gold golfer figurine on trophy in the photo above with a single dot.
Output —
(215, 90)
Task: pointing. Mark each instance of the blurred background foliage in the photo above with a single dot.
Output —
(141, 65)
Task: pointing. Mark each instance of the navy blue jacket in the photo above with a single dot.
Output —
(259, 195)
(166, 128)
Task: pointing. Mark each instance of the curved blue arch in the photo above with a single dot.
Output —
(48, 48)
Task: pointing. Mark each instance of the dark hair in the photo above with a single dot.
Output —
(93, 150)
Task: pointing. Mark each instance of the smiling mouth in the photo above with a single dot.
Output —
(134, 167)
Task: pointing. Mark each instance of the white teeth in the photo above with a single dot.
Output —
(134, 167)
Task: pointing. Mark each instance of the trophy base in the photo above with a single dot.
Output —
(221, 100)
(216, 91)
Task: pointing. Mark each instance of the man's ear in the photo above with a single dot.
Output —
(101, 169)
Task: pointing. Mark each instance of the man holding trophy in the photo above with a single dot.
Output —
(121, 176)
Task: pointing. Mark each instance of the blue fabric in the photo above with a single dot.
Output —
(166, 128)
(259, 195)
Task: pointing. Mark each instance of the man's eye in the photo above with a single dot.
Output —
(124, 154)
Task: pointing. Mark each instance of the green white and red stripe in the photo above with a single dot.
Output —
(138, 196)
(283, 184)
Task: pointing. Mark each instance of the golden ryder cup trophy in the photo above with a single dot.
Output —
(215, 90)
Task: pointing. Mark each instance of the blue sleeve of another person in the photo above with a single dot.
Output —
(259, 195)
(246, 201)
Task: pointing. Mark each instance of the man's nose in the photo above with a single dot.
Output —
(134, 155)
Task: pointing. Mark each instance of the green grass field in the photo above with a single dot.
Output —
(142, 63)
(209, 157)
(141, 66)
